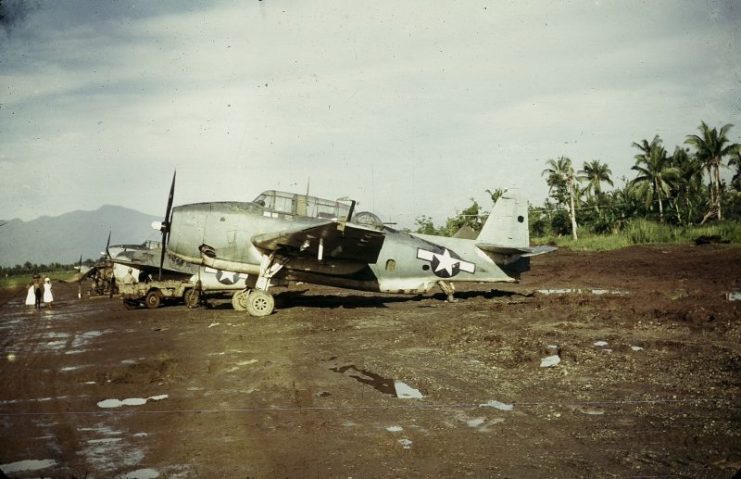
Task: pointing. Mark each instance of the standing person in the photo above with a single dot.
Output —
(129, 278)
(37, 290)
(48, 297)
(30, 296)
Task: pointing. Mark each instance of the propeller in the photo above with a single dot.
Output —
(107, 245)
(165, 225)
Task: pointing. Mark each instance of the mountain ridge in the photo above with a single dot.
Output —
(75, 233)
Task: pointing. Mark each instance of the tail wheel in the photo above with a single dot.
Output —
(239, 300)
(260, 303)
(152, 300)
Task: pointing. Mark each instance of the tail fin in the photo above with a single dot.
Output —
(507, 225)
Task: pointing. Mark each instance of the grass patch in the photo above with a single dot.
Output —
(18, 280)
(641, 231)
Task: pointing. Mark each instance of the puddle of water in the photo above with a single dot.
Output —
(112, 403)
(142, 474)
(476, 422)
(82, 339)
(27, 465)
(405, 443)
(550, 361)
(379, 383)
(104, 440)
(596, 291)
(600, 344)
(404, 391)
(72, 368)
(498, 405)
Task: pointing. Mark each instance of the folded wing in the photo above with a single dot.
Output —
(327, 241)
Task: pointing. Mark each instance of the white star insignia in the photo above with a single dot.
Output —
(445, 262)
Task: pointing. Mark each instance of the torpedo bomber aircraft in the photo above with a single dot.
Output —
(284, 237)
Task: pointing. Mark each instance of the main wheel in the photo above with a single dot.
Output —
(152, 300)
(260, 303)
(239, 300)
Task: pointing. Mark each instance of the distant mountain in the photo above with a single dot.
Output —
(64, 238)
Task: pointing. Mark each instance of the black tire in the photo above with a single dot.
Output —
(130, 304)
(153, 299)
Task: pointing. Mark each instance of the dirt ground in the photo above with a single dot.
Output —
(648, 383)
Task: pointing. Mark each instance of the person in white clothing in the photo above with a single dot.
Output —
(48, 296)
(30, 297)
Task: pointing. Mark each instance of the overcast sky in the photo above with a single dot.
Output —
(410, 107)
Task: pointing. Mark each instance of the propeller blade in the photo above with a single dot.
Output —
(166, 223)
(107, 244)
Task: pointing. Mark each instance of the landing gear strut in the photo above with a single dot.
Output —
(449, 290)
(258, 302)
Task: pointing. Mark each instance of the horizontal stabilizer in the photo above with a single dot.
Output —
(513, 250)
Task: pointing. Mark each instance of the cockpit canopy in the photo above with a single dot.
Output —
(302, 205)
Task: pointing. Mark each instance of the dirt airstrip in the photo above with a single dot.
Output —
(647, 381)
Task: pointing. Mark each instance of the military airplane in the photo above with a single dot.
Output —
(283, 237)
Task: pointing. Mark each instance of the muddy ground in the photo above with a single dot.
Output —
(647, 385)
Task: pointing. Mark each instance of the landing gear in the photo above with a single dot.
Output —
(260, 303)
(255, 301)
(449, 290)
(239, 300)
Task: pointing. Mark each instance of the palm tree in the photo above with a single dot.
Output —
(655, 176)
(689, 182)
(711, 147)
(595, 173)
(496, 193)
(562, 178)
(736, 180)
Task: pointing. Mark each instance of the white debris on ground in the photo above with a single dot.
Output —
(27, 465)
(404, 391)
(498, 405)
(405, 443)
(550, 361)
(600, 344)
(394, 429)
(734, 296)
(636, 348)
(213, 324)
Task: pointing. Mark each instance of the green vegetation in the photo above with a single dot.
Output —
(20, 275)
(668, 200)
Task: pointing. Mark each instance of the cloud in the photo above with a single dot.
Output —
(410, 107)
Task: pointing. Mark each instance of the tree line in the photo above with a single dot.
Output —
(680, 188)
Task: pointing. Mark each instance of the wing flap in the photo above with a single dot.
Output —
(327, 241)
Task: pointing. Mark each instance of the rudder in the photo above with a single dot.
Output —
(507, 224)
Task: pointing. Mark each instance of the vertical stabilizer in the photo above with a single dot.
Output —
(507, 225)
